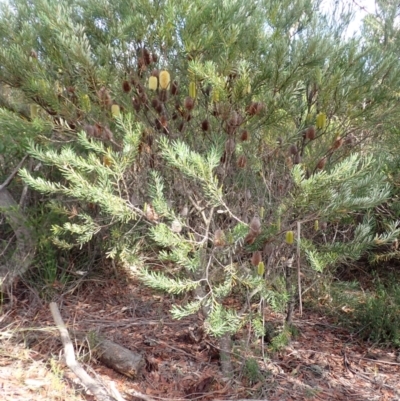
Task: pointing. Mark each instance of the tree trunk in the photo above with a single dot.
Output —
(24, 252)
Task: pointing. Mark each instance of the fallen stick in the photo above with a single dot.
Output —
(92, 385)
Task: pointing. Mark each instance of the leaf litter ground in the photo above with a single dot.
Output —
(323, 362)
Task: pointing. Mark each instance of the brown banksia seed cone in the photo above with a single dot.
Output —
(310, 133)
(155, 73)
(293, 150)
(255, 225)
(254, 108)
(155, 103)
(297, 159)
(244, 135)
(205, 125)
(164, 120)
(321, 163)
(126, 87)
(219, 238)
(242, 161)
(146, 56)
(337, 143)
(256, 258)
(189, 103)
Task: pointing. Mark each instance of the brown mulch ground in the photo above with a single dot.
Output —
(324, 362)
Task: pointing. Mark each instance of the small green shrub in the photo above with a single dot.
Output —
(378, 318)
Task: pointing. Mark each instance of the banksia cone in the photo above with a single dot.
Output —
(261, 268)
(215, 95)
(189, 103)
(146, 56)
(97, 130)
(310, 133)
(254, 108)
(256, 258)
(126, 87)
(85, 103)
(155, 73)
(219, 238)
(244, 135)
(293, 150)
(242, 161)
(337, 143)
(107, 161)
(321, 121)
(115, 111)
(165, 79)
(164, 120)
(324, 225)
(205, 125)
(297, 159)
(174, 88)
(316, 225)
(255, 225)
(192, 90)
(321, 163)
(153, 83)
(289, 237)
(155, 103)
(151, 214)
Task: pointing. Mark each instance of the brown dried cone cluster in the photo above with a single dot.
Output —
(98, 131)
(255, 230)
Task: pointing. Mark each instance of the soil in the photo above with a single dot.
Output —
(322, 362)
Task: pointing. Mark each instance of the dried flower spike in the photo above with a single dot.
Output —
(126, 87)
(219, 238)
(242, 161)
(310, 133)
(189, 103)
(256, 258)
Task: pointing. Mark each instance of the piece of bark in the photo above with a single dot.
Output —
(118, 358)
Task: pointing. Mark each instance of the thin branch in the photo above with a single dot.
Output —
(13, 173)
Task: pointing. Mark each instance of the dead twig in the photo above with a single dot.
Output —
(92, 385)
